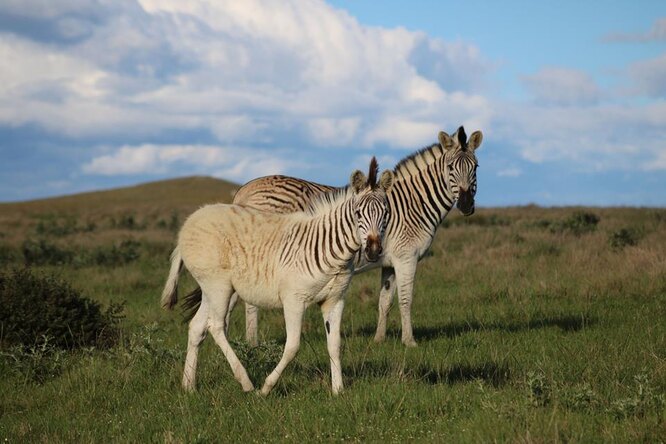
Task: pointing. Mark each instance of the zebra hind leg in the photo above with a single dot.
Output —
(385, 300)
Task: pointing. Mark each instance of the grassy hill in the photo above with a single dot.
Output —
(176, 193)
(146, 204)
(534, 325)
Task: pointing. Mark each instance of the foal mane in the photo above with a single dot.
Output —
(327, 202)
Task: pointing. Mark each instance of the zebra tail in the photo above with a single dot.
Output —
(191, 304)
(170, 293)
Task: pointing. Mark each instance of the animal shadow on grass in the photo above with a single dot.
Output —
(567, 323)
(493, 373)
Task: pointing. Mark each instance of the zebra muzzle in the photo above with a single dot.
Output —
(465, 202)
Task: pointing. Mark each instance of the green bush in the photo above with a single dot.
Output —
(51, 225)
(127, 251)
(8, 255)
(622, 238)
(33, 308)
(578, 223)
(491, 220)
(42, 252)
(127, 222)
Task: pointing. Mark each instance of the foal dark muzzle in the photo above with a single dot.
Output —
(373, 249)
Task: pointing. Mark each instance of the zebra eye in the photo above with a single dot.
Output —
(358, 213)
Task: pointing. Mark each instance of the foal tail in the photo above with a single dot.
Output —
(170, 293)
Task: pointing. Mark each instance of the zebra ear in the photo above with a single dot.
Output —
(386, 180)
(358, 181)
(475, 140)
(446, 141)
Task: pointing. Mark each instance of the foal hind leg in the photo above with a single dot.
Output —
(196, 335)
(251, 324)
(293, 320)
(219, 297)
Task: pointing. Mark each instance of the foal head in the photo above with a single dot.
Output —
(370, 210)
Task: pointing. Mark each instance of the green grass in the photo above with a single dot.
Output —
(525, 334)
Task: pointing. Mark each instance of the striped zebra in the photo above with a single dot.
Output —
(427, 184)
(278, 260)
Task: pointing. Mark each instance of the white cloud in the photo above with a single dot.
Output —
(246, 72)
(649, 76)
(656, 33)
(592, 138)
(230, 163)
(562, 86)
(510, 172)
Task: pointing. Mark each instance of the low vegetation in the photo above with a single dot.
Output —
(533, 324)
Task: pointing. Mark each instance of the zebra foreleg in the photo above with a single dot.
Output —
(385, 300)
(405, 284)
(331, 310)
(293, 320)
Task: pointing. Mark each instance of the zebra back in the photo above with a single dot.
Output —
(280, 194)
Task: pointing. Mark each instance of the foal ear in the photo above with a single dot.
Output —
(475, 140)
(358, 181)
(386, 180)
(446, 141)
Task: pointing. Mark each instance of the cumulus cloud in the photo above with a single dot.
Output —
(649, 76)
(230, 163)
(241, 71)
(591, 138)
(656, 33)
(562, 86)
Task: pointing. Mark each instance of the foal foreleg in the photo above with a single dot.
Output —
(293, 320)
(332, 313)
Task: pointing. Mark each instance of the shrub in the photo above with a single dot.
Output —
(491, 220)
(42, 252)
(127, 222)
(124, 253)
(8, 255)
(51, 225)
(34, 307)
(538, 389)
(172, 225)
(36, 364)
(622, 238)
(578, 223)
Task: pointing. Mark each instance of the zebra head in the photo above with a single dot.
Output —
(461, 165)
(370, 210)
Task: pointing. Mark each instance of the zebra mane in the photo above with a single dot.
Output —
(326, 202)
(418, 161)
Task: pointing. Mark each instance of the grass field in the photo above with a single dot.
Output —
(533, 324)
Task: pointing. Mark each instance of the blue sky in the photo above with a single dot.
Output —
(570, 95)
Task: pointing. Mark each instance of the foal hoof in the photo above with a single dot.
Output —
(410, 343)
